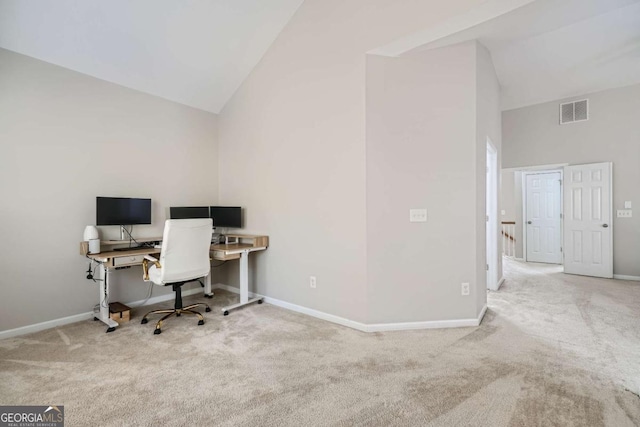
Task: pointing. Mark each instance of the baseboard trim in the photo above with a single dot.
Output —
(497, 287)
(482, 313)
(299, 309)
(376, 327)
(624, 277)
(518, 259)
(37, 327)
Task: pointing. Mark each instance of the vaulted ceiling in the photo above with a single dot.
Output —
(198, 52)
(550, 49)
(193, 52)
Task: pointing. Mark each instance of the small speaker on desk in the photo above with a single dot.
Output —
(91, 235)
(94, 246)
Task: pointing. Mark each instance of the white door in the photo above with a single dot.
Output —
(544, 218)
(588, 234)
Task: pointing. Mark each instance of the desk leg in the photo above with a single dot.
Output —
(207, 286)
(244, 285)
(103, 299)
(244, 277)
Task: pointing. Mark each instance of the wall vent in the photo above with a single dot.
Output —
(576, 111)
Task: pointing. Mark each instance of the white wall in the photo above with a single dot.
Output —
(532, 136)
(66, 138)
(292, 148)
(507, 195)
(421, 124)
(488, 126)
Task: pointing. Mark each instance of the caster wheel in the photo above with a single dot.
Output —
(200, 322)
(95, 318)
(208, 309)
(144, 321)
(110, 329)
(178, 314)
(226, 313)
(208, 296)
(157, 332)
(259, 301)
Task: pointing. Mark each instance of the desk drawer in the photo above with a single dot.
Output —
(128, 260)
(222, 256)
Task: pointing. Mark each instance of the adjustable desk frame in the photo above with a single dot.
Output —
(109, 261)
(241, 251)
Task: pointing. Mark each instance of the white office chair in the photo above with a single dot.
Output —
(184, 258)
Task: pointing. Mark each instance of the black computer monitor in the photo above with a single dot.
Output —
(226, 216)
(122, 211)
(186, 212)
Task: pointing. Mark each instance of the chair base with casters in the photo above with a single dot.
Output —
(178, 309)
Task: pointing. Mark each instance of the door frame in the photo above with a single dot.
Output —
(526, 173)
(491, 211)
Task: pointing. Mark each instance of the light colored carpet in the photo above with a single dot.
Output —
(553, 350)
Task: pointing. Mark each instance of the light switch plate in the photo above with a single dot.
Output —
(625, 213)
(627, 205)
(417, 215)
(503, 212)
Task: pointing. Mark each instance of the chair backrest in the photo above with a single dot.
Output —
(185, 249)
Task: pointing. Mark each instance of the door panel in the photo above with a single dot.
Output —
(544, 222)
(588, 223)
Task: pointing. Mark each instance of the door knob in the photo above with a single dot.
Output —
(528, 222)
(605, 225)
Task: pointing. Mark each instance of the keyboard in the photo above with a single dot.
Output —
(129, 249)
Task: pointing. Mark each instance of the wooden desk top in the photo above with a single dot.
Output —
(256, 241)
(129, 252)
(232, 246)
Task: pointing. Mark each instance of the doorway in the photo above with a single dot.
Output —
(543, 217)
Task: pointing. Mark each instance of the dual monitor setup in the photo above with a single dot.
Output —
(125, 211)
(222, 216)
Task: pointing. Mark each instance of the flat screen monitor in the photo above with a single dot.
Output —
(122, 211)
(226, 216)
(187, 212)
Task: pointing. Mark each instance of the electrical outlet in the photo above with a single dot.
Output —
(312, 282)
(464, 290)
(625, 213)
(417, 215)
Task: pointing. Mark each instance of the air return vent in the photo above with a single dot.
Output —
(577, 111)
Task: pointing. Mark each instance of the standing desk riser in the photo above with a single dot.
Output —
(110, 260)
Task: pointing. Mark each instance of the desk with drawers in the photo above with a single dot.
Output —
(237, 246)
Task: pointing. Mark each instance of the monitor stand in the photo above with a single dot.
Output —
(216, 238)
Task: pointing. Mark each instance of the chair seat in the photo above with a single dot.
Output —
(184, 258)
(155, 275)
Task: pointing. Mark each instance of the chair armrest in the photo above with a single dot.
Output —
(145, 266)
